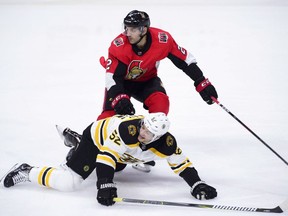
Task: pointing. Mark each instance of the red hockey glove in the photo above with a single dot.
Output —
(103, 62)
(122, 105)
(206, 90)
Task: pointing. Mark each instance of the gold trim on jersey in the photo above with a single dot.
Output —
(133, 145)
(100, 133)
(181, 168)
(178, 168)
(114, 153)
(105, 159)
(159, 154)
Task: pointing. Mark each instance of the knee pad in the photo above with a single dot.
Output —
(157, 102)
(65, 179)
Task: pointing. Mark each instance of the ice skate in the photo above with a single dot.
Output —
(17, 174)
(70, 138)
(144, 167)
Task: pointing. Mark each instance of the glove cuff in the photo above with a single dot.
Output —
(202, 85)
(196, 184)
(118, 98)
(105, 183)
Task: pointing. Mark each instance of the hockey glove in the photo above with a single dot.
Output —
(106, 192)
(206, 90)
(122, 105)
(200, 190)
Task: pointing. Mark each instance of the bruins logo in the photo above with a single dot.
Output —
(86, 168)
(135, 70)
(169, 141)
(178, 151)
(132, 130)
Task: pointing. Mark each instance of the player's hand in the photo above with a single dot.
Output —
(200, 190)
(206, 90)
(106, 192)
(122, 105)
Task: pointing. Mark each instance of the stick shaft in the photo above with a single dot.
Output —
(203, 206)
(237, 119)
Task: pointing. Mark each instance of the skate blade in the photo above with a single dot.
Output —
(60, 131)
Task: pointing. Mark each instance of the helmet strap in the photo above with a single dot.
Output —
(142, 35)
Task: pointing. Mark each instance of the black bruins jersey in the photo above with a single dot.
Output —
(117, 140)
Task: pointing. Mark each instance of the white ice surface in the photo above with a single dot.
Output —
(50, 74)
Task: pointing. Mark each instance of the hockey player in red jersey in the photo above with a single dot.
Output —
(132, 65)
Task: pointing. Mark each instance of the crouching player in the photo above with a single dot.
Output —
(114, 142)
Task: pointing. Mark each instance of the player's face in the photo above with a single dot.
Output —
(133, 34)
(145, 136)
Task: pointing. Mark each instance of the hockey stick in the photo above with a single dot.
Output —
(224, 108)
(279, 209)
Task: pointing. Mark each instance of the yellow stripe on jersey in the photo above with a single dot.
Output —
(105, 159)
(159, 154)
(105, 128)
(97, 134)
(107, 149)
(100, 133)
(177, 164)
(181, 168)
(135, 145)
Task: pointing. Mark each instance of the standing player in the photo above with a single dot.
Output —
(114, 142)
(132, 65)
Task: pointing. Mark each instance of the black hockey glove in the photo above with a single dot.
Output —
(122, 105)
(106, 192)
(200, 190)
(206, 90)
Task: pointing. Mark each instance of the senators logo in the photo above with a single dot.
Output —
(135, 70)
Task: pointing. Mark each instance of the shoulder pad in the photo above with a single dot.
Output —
(128, 131)
(167, 144)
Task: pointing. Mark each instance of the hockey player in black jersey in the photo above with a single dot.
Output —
(115, 142)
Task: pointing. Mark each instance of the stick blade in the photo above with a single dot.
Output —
(284, 206)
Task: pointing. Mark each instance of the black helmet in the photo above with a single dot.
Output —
(137, 18)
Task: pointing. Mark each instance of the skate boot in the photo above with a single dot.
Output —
(71, 139)
(145, 167)
(17, 174)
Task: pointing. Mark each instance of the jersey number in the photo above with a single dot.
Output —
(108, 64)
(115, 138)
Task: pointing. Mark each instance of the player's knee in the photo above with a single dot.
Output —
(157, 102)
(67, 180)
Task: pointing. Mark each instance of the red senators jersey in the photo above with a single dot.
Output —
(142, 65)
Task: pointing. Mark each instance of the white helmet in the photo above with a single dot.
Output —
(157, 123)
